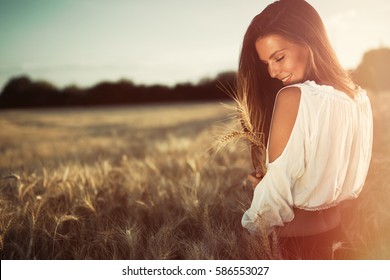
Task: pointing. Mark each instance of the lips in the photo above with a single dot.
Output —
(286, 79)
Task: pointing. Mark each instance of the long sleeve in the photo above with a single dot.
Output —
(273, 197)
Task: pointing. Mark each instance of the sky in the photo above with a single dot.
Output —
(83, 42)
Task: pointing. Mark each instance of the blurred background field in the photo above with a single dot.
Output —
(49, 136)
(144, 182)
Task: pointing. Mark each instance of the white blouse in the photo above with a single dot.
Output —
(325, 160)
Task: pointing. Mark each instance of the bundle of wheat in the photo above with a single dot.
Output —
(242, 128)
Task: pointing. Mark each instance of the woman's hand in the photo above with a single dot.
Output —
(254, 178)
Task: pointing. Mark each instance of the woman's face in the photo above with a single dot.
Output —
(286, 61)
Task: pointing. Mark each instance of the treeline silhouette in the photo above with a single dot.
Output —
(22, 92)
(373, 72)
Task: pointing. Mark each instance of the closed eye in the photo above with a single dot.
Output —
(279, 58)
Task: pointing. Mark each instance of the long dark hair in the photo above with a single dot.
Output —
(298, 22)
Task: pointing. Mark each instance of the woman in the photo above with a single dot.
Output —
(317, 125)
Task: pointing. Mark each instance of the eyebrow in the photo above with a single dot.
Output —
(273, 54)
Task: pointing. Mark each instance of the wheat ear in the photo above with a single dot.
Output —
(247, 131)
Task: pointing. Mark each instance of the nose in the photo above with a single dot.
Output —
(273, 70)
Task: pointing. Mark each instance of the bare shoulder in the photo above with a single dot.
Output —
(283, 120)
(288, 97)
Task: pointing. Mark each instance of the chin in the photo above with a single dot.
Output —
(292, 82)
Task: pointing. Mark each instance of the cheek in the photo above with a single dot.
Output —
(297, 66)
(292, 65)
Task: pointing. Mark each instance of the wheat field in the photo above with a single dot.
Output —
(145, 183)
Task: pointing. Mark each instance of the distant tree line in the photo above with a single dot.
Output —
(21, 92)
(374, 71)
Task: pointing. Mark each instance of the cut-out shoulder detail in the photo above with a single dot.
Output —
(283, 120)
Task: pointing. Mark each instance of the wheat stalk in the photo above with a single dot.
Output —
(246, 131)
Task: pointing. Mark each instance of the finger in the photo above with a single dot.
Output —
(258, 171)
(252, 178)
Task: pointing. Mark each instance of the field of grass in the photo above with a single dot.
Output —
(145, 183)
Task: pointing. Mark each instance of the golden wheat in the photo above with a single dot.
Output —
(156, 195)
(246, 131)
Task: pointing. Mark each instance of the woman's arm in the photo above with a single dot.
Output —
(272, 203)
(283, 120)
